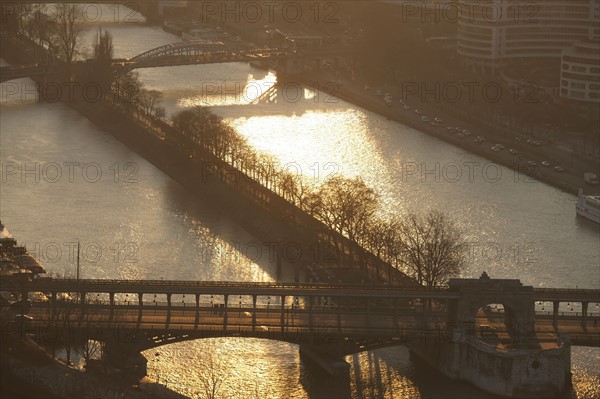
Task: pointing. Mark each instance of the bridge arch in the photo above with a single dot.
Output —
(516, 300)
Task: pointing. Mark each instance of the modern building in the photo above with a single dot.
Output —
(492, 33)
(580, 72)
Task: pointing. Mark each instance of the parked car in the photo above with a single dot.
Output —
(513, 151)
(559, 169)
(545, 163)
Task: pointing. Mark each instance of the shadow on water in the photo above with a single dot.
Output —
(229, 239)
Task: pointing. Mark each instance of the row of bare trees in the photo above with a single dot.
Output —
(57, 28)
(429, 247)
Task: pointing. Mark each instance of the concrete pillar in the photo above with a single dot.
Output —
(168, 309)
(339, 315)
(253, 312)
(282, 313)
(197, 318)
(111, 300)
(226, 299)
(584, 309)
(140, 306)
(82, 303)
(310, 313)
(368, 312)
(53, 304)
(555, 313)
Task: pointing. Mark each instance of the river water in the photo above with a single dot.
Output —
(64, 180)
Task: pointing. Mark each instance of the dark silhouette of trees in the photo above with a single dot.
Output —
(346, 205)
(432, 247)
(69, 26)
(103, 49)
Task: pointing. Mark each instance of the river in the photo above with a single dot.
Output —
(135, 222)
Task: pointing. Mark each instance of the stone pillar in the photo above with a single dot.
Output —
(368, 312)
(253, 312)
(282, 313)
(53, 304)
(584, 309)
(310, 313)
(140, 306)
(82, 303)
(168, 309)
(339, 316)
(555, 313)
(226, 299)
(111, 300)
(197, 318)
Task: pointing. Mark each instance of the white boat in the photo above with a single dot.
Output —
(588, 206)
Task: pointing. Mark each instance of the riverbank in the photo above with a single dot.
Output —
(521, 164)
(28, 372)
(325, 255)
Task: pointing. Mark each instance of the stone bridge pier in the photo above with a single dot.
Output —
(513, 364)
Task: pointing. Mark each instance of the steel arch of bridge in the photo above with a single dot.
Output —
(190, 48)
(200, 52)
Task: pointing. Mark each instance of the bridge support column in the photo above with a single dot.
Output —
(584, 309)
(140, 307)
(253, 312)
(555, 313)
(53, 304)
(168, 309)
(339, 315)
(197, 318)
(282, 313)
(226, 299)
(310, 313)
(111, 300)
(82, 303)
(368, 318)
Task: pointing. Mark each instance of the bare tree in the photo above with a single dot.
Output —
(346, 205)
(433, 247)
(69, 27)
(212, 375)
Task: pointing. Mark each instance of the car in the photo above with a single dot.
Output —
(418, 112)
(466, 132)
(461, 135)
(425, 118)
(545, 163)
(438, 120)
(494, 148)
(513, 151)
(500, 146)
(531, 163)
(559, 169)
(23, 318)
(449, 128)
(406, 107)
(379, 93)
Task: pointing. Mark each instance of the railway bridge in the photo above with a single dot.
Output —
(454, 329)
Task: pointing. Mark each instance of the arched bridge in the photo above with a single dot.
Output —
(187, 53)
(199, 52)
(277, 310)
(444, 326)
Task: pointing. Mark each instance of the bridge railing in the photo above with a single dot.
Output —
(227, 284)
